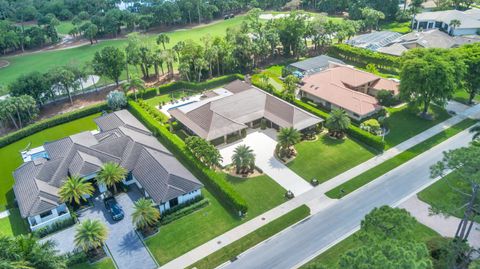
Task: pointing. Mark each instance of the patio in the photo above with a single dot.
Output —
(263, 143)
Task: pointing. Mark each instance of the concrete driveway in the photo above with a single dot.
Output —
(126, 247)
(263, 143)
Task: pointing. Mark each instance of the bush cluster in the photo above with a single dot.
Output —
(54, 227)
(51, 122)
(214, 181)
(155, 113)
(364, 57)
(166, 219)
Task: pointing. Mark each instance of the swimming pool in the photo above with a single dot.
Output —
(180, 105)
(41, 154)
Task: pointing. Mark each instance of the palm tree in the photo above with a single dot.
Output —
(134, 84)
(476, 132)
(337, 123)
(90, 235)
(454, 24)
(244, 159)
(145, 214)
(287, 137)
(162, 39)
(74, 189)
(111, 174)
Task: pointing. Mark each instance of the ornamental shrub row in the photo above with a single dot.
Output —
(53, 121)
(153, 111)
(213, 181)
(166, 219)
(364, 57)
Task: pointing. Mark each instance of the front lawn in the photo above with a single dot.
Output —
(14, 224)
(404, 124)
(325, 158)
(399, 27)
(182, 235)
(10, 158)
(462, 97)
(331, 257)
(106, 263)
(442, 196)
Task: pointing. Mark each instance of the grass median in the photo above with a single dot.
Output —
(234, 249)
(398, 160)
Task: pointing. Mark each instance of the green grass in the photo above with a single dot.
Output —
(398, 160)
(231, 251)
(106, 263)
(14, 224)
(331, 257)
(442, 196)
(23, 64)
(155, 101)
(326, 157)
(64, 27)
(181, 236)
(10, 158)
(462, 97)
(404, 124)
(399, 27)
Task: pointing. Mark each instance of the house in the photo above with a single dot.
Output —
(219, 119)
(313, 65)
(469, 21)
(122, 139)
(433, 38)
(374, 40)
(347, 88)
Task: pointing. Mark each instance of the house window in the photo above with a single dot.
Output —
(45, 214)
(173, 202)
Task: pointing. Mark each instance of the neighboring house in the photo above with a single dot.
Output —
(219, 119)
(374, 40)
(122, 139)
(313, 65)
(427, 39)
(469, 21)
(347, 88)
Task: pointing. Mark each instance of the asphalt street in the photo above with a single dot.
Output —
(304, 240)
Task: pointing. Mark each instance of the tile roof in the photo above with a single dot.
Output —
(318, 62)
(226, 115)
(335, 86)
(125, 141)
(468, 19)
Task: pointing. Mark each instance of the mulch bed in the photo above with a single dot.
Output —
(4, 63)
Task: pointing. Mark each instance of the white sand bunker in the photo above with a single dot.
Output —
(4, 63)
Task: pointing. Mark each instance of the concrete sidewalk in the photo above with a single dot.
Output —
(314, 198)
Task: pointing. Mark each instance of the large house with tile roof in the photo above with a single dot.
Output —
(122, 139)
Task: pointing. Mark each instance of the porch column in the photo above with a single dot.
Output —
(225, 139)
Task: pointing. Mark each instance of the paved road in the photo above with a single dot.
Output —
(305, 240)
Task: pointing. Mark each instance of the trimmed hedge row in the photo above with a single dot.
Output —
(54, 121)
(209, 84)
(183, 212)
(363, 57)
(153, 111)
(212, 180)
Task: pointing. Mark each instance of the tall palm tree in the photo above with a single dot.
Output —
(287, 137)
(243, 159)
(111, 174)
(74, 189)
(135, 84)
(338, 122)
(163, 39)
(454, 24)
(145, 214)
(90, 235)
(476, 132)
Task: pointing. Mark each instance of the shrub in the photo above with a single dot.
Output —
(54, 227)
(183, 205)
(215, 182)
(166, 219)
(116, 100)
(263, 124)
(386, 98)
(366, 138)
(76, 258)
(154, 112)
(372, 126)
(53, 121)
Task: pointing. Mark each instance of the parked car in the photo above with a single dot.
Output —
(114, 208)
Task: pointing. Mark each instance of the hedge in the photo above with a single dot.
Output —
(363, 57)
(209, 84)
(54, 121)
(166, 219)
(213, 181)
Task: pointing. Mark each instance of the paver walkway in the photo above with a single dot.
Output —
(263, 143)
(445, 226)
(315, 197)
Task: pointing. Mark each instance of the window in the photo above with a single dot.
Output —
(45, 214)
(173, 202)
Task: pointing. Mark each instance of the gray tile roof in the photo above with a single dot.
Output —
(231, 113)
(123, 140)
(468, 19)
(319, 62)
(374, 40)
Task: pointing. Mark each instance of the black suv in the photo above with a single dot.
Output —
(114, 208)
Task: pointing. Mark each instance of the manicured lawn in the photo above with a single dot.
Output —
(331, 257)
(399, 27)
(106, 263)
(442, 196)
(326, 157)
(14, 224)
(180, 236)
(10, 158)
(44, 61)
(64, 27)
(398, 160)
(404, 124)
(231, 251)
(462, 97)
